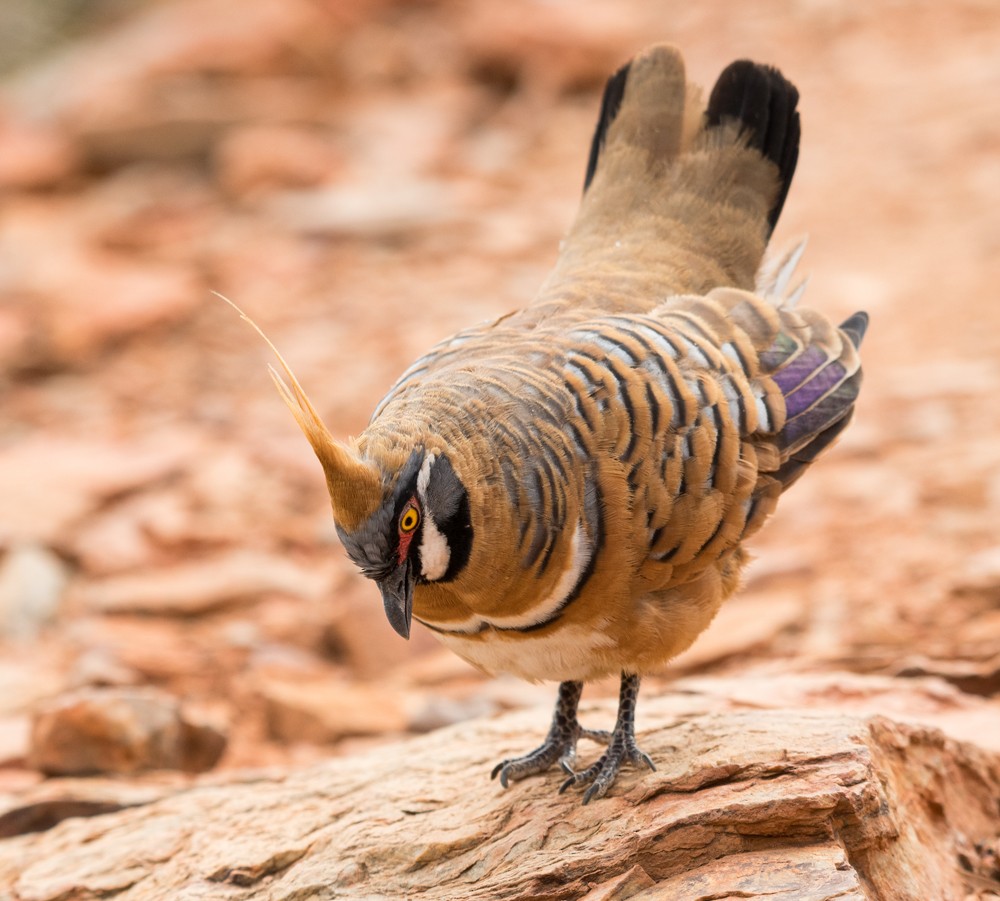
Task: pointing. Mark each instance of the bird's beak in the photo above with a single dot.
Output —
(397, 597)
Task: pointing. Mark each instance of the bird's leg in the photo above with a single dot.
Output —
(621, 748)
(560, 743)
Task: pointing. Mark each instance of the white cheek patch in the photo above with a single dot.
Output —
(435, 555)
(434, 551)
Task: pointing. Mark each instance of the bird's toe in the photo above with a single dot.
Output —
(598, 736)
(601, 775)
(538, 761)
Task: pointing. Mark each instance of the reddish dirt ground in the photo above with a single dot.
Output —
(364, 179)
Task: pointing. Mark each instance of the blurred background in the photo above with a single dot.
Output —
(364, 178)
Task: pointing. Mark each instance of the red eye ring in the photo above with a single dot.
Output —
(409, 519)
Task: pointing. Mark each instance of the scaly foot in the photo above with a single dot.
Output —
(560, 743)
(621, 749)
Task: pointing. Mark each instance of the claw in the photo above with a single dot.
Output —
(622, 749)
(560, 745)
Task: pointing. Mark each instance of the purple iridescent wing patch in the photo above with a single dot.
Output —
(817, 390)
(808, 393)
(801, 368)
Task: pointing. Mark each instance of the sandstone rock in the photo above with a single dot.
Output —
(877, 551)
(44, 489)
(111, 541)
(177, 119)
(127, 535)
(98, 667)
(150, 212)
(373, 211)
(163, 650)
(95, 80)
(355, 633)
(742, 624)
(29, 672)
(15, 780)
(194, 588)
(982, 573)
(202, 745)
(78, 295)
(754, 804)
(33, 157)
(549, 47)
(37, 807)
(438, 712)
(32, 583)
(977, 677)
(927, 702)
(255, 160)
(15, 733)
(135, 296)
(325, 709)
(438, 667)
(121, 730)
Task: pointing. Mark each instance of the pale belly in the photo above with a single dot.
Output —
(639, 636)
(570, 653)
(640, 639)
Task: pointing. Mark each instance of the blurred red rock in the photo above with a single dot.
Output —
(15, 736)
(381, 211)
(325, 708)
(32, 584)
(98, 667)
(198, 587)
(44, 489)
(91, 299)
(120, 730)
(255, 160)
(102, 76)
(982, 573)
(34, 156)
(740, 626)
(355, 631)
(532, 47)
(163, 650)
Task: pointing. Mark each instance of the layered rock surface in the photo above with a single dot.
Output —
(791, 803)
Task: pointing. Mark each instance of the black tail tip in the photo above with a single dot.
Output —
(765, 102)
(855, 326)
(614, 91)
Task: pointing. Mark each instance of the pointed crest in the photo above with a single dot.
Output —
(354, 485)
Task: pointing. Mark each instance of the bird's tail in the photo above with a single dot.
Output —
(683, 193)
(763, 103)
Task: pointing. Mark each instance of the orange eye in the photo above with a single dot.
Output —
(409, 520)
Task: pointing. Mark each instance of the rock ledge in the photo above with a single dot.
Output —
(776, 804)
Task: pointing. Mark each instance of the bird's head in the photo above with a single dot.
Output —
(402, 514)
(416, 530)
